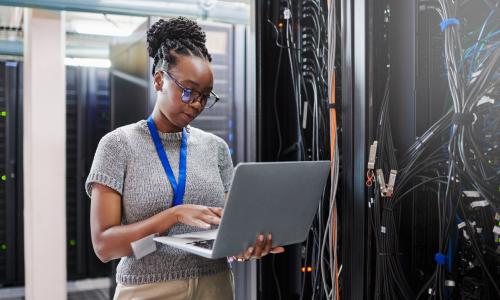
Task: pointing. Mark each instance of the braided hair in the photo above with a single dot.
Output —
(177, 36)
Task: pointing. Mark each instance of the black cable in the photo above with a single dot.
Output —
(276, 277)
(275, 100)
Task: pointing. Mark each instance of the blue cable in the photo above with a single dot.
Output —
(479, 38)
(448, 22)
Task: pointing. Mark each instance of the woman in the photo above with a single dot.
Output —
(162, 176)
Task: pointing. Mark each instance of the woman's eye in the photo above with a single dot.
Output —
(186, 94)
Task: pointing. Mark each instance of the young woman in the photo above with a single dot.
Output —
(162, 176)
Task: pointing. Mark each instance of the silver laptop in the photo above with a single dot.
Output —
(277, 197)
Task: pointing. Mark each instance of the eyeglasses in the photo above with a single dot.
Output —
(189, 96)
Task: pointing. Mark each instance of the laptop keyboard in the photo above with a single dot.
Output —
(207, 244)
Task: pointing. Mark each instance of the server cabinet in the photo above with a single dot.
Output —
(11, 205)
(87, 121)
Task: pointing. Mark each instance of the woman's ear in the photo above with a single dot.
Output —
(158, 81)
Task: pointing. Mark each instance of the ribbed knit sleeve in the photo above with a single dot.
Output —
(109, 165)
(225, 164)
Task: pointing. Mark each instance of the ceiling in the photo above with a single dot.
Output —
(90, 34)
(11, 22)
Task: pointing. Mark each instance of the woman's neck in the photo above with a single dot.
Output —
(162, 123)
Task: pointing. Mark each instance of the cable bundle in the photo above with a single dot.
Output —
(457, 160)
(318, 47)
(473, 76)
(306, 38)
(390, 282)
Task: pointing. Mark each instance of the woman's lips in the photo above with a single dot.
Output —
(188, 116)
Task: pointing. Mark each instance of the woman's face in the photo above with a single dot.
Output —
(191, 72)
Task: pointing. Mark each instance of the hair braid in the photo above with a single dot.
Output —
(177, 36)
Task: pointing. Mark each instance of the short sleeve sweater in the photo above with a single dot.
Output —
(126, 161)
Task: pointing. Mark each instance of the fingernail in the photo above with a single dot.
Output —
(250, 249)
(269, 236)
(261, 238)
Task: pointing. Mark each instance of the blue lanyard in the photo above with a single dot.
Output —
(179, 189)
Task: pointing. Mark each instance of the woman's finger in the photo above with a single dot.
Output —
(216, 210)
(260, 244)
(248, 254)
(267, 246)
(196, 223)
(209, 212)
(277, 250)
(210, 219)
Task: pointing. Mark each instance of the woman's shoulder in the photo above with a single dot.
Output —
(205, 136)
(124, 134)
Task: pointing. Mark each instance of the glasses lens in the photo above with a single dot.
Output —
(186, 95)
(210, 101)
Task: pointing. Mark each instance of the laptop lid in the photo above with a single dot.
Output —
(277, 197)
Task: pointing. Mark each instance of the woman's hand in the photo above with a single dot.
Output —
(262, 247)
(197, 215)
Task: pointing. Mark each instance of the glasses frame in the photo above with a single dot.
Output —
(188, 91)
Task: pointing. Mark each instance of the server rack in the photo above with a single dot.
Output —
(87, 121)
(11, 209)
(293, 124)
(420, 94)
(282, 270)
(406, 47)
(221, 119)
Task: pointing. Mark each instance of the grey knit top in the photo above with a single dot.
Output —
(126, 161)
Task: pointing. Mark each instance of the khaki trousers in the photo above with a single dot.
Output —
(215, 287)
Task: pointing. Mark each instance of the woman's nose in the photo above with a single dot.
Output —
(196, 105)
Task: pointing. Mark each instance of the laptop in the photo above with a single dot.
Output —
(277, 197)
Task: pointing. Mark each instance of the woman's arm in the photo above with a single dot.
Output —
(111, 240)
